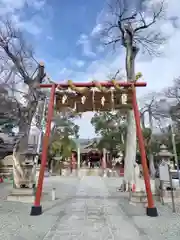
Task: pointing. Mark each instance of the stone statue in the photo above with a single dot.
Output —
(139, 180)
(136, 170)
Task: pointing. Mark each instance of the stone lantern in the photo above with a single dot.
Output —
(164, 154)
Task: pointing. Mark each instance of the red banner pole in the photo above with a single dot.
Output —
(151, 209)
(37, 208)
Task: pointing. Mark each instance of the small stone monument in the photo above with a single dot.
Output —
(137, 177)
(165, 156)
(25, 192)
(139, 193)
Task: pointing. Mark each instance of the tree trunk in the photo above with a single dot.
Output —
(151, 157)
(20, 174)
(151, 165)
(131, 141)
(52, 165)
(49, 163)
(130, 152)
(143, 120)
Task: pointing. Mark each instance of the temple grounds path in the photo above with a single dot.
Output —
(86, 208)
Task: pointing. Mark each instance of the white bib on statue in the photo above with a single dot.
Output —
(137, 179)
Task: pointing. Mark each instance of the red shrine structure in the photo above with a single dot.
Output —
(89, 155)
(93, 96)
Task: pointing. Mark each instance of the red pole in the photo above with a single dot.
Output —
(93, 84)
(151, 209)
(37, 208)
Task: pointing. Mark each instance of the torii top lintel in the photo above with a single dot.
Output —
(93, 84)
(94, 96)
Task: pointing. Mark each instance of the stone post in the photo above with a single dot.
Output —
(78, 157)
(104, 163)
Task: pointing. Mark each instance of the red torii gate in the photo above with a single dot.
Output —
(37, 208)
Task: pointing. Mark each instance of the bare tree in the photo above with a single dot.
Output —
(132, 25)
(17, 59)
(149, 110)
(159, 111)
(117, 75)
(173, 92)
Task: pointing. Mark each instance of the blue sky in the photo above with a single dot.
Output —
(63, 38)
(65, 35)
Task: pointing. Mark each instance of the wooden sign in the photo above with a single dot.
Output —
(122, 99)
(94, 101)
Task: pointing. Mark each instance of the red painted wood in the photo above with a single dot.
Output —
(92, 84)
(45, 147)
(142, 151)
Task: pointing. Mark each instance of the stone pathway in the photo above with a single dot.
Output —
(86, 209)
(92, 215)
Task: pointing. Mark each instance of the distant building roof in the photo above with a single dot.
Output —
(91, 145)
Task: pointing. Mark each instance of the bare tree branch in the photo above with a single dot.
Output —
(155, 17)
(133, 22)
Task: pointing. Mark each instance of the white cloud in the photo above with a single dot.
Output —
(15, 9)
(12, 5)
(65, 73)
(100, 69)
(9, 6)
(86, 45)
(31, 26)
(96, 30)
(36, 4)
(100, 48)
(173, 8)
(75, 62)
(79, 63)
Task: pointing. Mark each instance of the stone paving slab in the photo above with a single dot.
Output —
(93, 215)
(23, 226)
(15, 221)
(85, 209)
(161, 228)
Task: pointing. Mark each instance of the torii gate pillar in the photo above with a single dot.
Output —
(37, 208)
(151, 209)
